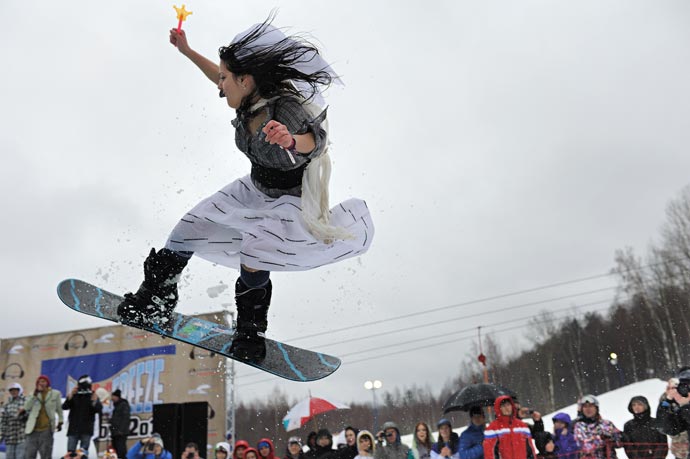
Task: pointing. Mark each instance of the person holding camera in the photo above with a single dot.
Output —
(83, 405)
(673, 413)
(393, 448)
(149, 448)
(191, 451)
(44, 408)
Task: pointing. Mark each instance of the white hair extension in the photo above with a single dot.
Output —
(315, 207)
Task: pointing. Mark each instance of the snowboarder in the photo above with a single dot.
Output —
(276, 218)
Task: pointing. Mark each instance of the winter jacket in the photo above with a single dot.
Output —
(347, 452)
(507, 437)
(271, 454)
(323, 452)
(82, 413)
(13, 424)
(471, 442)
(453, 445)
(594, 436)
(137, 452)
(640, 437)
(52, 404)
(394, 450)
(566, 446)
(119, 420)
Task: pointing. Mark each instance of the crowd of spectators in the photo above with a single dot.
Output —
(27, 425)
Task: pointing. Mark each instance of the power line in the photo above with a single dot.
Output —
(453, 340)
(457, 305)
(479, 314)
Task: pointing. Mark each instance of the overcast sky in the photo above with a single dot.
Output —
(499, 145)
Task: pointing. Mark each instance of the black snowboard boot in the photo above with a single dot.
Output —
(252, 320)
(154, 302)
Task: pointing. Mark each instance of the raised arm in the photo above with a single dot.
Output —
(210, 68)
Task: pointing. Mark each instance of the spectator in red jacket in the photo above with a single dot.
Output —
(507, 437)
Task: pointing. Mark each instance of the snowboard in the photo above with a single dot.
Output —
(271, 356)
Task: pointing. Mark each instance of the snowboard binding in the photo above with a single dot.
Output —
(252, 320)
(155, 300)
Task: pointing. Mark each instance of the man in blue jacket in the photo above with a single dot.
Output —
(149, 448)
(472, 439)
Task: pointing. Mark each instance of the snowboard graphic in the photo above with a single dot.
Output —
(274, 357)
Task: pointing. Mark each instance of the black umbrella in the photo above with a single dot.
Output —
(475, 395)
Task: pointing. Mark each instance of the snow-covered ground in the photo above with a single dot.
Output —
(612, 406)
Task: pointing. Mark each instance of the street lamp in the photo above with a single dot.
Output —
(613, 360)
(372, 386)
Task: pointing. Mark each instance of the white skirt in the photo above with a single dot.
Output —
(241, 225)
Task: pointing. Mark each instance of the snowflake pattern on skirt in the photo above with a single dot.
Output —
(241, 225)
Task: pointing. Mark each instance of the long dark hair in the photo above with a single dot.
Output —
(427, 443)
(272, 66)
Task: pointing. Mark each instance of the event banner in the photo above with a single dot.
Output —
(147, 368)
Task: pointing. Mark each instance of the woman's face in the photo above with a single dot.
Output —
(422, 434)
(250, 455)
(294, 448)
(350, 437)
(364, 443)
(221, 454)
(233, 87)
(444, 431)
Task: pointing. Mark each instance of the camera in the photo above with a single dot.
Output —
(84, 385)
(190, 455)
(684, 387)
(150, 446)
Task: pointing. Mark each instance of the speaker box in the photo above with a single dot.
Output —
(195, 426)
(167, 423)
(181, 423)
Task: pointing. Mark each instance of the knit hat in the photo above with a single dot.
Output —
(156, 438)
(117, 393)
(45, 378)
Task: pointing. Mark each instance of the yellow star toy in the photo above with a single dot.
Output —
(182, 14)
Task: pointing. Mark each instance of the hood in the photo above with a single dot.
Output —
(224, 445)
(324, 433)
(270, 447)
(497, 406)
(391, 425)
(238, 444)
(252, 449)
(366, 433)
(644, 401)
(563, 417)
